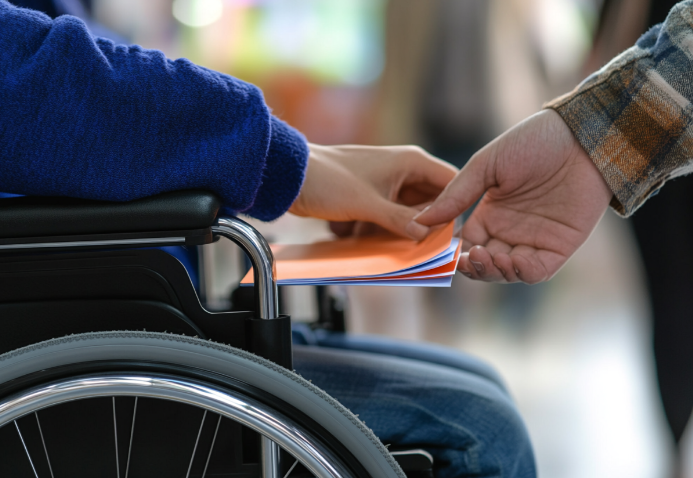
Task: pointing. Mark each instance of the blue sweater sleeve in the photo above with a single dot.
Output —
(83, 117)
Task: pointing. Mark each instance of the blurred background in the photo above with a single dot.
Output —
(450, 75)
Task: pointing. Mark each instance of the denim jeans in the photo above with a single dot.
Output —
(421, 396)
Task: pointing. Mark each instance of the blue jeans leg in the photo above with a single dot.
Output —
(466, 421)
(435, 354)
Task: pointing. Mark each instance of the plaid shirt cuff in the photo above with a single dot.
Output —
(633, 117)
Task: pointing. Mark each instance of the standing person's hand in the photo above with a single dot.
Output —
(543, 198)
(386, 186)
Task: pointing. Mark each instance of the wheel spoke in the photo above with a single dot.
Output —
(225, 402)
(291, 469)
(132, 434)
(25, 448)
(211, 448)
(196, 442)
(44, 444)
(115, 431)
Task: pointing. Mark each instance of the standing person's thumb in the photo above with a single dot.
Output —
(468, 186)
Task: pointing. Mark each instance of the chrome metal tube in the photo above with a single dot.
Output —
(262, 259)
(270, 459)
(255, 245)
(271, 423)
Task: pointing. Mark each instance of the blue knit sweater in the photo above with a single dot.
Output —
(83, 117)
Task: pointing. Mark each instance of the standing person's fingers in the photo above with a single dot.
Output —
(536, 265)
(499, 252)
(503, 262)
(464, 267)
(528, 267)
(482, 261)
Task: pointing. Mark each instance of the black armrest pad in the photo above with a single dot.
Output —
(34, 216)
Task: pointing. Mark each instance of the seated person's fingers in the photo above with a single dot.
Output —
(356, 229)
(368, 229)
(425, 168)
(363, 228)
(415, 196)
(394, 217)
(342, 229)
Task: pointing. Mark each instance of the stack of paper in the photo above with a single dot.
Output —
(373, 261)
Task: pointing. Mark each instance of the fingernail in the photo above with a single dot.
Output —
(478, 266)
(502, 270)
(517, 271)
(416, 231)
(421, 213)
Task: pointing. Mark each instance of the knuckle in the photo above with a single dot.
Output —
(415, 148)
(413, 151)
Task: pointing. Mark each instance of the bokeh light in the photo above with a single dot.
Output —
(197, 13)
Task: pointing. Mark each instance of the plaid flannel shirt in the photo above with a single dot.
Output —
(634, 116)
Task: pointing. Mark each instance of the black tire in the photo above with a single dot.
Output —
(207, 357)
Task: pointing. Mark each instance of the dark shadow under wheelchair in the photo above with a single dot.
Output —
(110, 366)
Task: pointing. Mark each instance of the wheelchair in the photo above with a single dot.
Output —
(111, 367)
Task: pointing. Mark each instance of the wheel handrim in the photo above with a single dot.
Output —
(255, 415)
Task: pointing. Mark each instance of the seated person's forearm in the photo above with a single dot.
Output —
(84, 117)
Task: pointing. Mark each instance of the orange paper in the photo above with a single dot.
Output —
(446, 269)
(356, 256)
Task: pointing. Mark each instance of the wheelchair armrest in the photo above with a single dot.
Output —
(33, 216)
(182, 217)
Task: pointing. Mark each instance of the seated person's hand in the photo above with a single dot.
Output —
(543, 197)
(385, 186)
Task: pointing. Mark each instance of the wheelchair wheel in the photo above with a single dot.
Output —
(142, 404)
